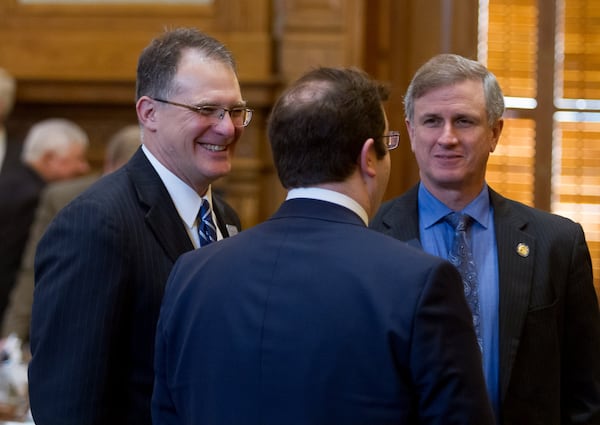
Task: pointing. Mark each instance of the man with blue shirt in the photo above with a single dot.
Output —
(537, 312)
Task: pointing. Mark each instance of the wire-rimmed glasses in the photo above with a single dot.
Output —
(392, 140)
(240, 116)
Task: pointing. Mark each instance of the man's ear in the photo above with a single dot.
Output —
(368, 158)
(146, 112)
(410, 129)
(496, 132)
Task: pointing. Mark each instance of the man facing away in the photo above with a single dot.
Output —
(103, 263)
(537, 310)
(311, 317)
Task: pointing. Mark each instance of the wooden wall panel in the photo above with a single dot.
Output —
(66, 54)
(305, 51)
(318, 33)
(102, 42)
(78, 62)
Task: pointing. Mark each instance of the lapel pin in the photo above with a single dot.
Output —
(523, 250)
(231, 229)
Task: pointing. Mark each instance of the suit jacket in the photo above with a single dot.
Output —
(20, 189)
(53, 198)
(312, 318)
(548, 311)
(101, 268)
(12, 156)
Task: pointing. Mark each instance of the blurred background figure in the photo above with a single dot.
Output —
(121, 146)
(9, 149)
(53, 150)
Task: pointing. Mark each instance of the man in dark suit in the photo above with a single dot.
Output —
(102, 265)
(320, 320)
(538, 312)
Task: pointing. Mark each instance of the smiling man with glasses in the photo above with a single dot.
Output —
(102, 266)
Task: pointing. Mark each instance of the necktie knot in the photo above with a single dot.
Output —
(207, 232)
(459, 221)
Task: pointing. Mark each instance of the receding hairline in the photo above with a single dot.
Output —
(306, 92)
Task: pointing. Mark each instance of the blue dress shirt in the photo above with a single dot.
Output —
(436, 238)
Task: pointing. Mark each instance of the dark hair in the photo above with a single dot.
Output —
(158, 62)
(447, 69)
(319, 124)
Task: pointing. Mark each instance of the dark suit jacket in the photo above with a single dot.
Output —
(53, 198)
(101, 269)
(20, 189)
(549, 320)
(312, 318)
(12, 156)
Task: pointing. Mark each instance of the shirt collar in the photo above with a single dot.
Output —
(329, 196)
(432, 210)
(186, 200)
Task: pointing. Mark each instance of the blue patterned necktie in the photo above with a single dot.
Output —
(206, 228)
(462, 257)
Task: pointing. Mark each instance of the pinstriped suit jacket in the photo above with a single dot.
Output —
(549, 320)
(101, 269)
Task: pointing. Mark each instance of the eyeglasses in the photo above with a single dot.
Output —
(393, 140)
(240, 117)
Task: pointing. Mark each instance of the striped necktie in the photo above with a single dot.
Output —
(206, 227)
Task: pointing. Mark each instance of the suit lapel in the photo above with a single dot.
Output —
(161, 215)
(516, 254)
(401, 221)
(226, 226)
(515, 266)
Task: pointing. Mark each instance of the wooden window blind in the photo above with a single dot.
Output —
(511, 53)
(510, 167)
(512, 48)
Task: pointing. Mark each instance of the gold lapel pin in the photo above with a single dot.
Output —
(523, 250)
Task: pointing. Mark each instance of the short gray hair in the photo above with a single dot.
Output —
(52, 135)
(448, 69)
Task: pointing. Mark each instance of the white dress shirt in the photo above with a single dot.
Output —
(186, 200)
(329, 196)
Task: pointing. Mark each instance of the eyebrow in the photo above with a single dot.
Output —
(241, 104)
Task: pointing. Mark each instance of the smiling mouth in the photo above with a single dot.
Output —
(215, 148)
